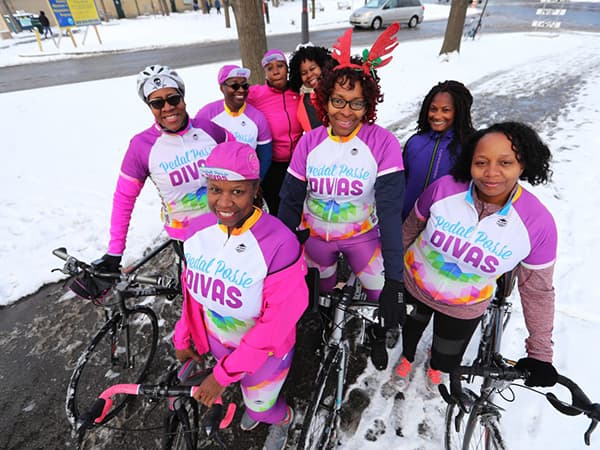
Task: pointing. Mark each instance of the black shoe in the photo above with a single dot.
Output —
(379, 355)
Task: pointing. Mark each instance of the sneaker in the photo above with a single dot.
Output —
(278, 432)
(248, 423)
(401, 373)
(379, 355)
(434, 378)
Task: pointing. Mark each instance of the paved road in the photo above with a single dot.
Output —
(501, 16)
(110, 65)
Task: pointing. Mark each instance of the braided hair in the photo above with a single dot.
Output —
(463, 100)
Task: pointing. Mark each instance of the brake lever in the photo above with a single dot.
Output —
(588, 434)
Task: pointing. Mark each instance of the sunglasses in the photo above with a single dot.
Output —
(340, 103)
(236, 86)
(159, 103)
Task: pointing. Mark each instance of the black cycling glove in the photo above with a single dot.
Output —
(302, 235)
(541, 373)
(108, 263)
(392, 309)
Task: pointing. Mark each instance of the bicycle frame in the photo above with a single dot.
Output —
(323, 412)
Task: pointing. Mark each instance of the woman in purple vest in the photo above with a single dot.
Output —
(443, 126)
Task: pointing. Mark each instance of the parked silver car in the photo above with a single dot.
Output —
(377, 13)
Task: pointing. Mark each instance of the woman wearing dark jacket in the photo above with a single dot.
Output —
(443, 126)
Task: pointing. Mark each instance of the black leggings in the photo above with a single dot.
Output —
(271, 185)
(450, 336)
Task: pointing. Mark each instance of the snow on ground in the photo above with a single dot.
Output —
(62, 168)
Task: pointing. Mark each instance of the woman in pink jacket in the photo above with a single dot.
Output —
(244, 292)
(279, 104)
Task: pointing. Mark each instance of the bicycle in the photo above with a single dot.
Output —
(323, 413)
(124, 346)
(482, 428)
(182, 425)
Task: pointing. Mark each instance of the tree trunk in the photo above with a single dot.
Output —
(226, 13)
(251, 35)
(454, 28)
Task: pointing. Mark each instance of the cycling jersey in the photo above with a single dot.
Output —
(248, 125)
(245, 290)
(340, 174)
(457, 257)
(171, 160)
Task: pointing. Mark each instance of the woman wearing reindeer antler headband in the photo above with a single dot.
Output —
(345, 184)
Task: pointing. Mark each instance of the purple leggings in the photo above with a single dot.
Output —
(363, 253)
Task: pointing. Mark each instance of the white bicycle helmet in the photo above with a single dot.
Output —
(161, 76)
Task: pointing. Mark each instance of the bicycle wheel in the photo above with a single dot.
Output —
(121, 352)
(321, 417)
(481, 430)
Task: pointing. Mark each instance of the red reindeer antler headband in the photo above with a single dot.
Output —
(372, 59)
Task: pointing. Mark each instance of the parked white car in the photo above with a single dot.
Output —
(378, 13)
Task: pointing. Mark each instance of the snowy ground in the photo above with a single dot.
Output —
(63, 167)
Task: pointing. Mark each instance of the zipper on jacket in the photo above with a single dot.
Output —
(434, 154)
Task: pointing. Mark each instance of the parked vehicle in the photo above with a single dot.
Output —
(378, 13)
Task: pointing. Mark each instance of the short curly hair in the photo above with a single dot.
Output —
(462, 99)
(532, 153)
(348, 75)
(320, 55)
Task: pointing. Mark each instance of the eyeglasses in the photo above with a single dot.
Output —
(159, 103)
(340, 103)
(236, 86)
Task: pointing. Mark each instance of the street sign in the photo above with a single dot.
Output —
(71, 13)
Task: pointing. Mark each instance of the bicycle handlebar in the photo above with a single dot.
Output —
(500, 370)
(74, 266)
(216, 417)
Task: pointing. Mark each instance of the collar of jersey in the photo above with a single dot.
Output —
(514, 196)
(343, 139)
(181, 132)
(233, 113)
(248, 223)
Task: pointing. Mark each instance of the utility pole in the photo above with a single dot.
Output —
(305, 21)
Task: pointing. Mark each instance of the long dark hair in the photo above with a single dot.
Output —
(531, 152)
(320, 55)
(463, 100)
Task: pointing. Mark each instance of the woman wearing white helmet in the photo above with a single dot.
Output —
(170, 152)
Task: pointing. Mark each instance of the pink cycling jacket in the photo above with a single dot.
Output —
(281, 110)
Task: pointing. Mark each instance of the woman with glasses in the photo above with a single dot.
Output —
(170, 153)
(279, 104)
(244, 121)
(345, 185)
